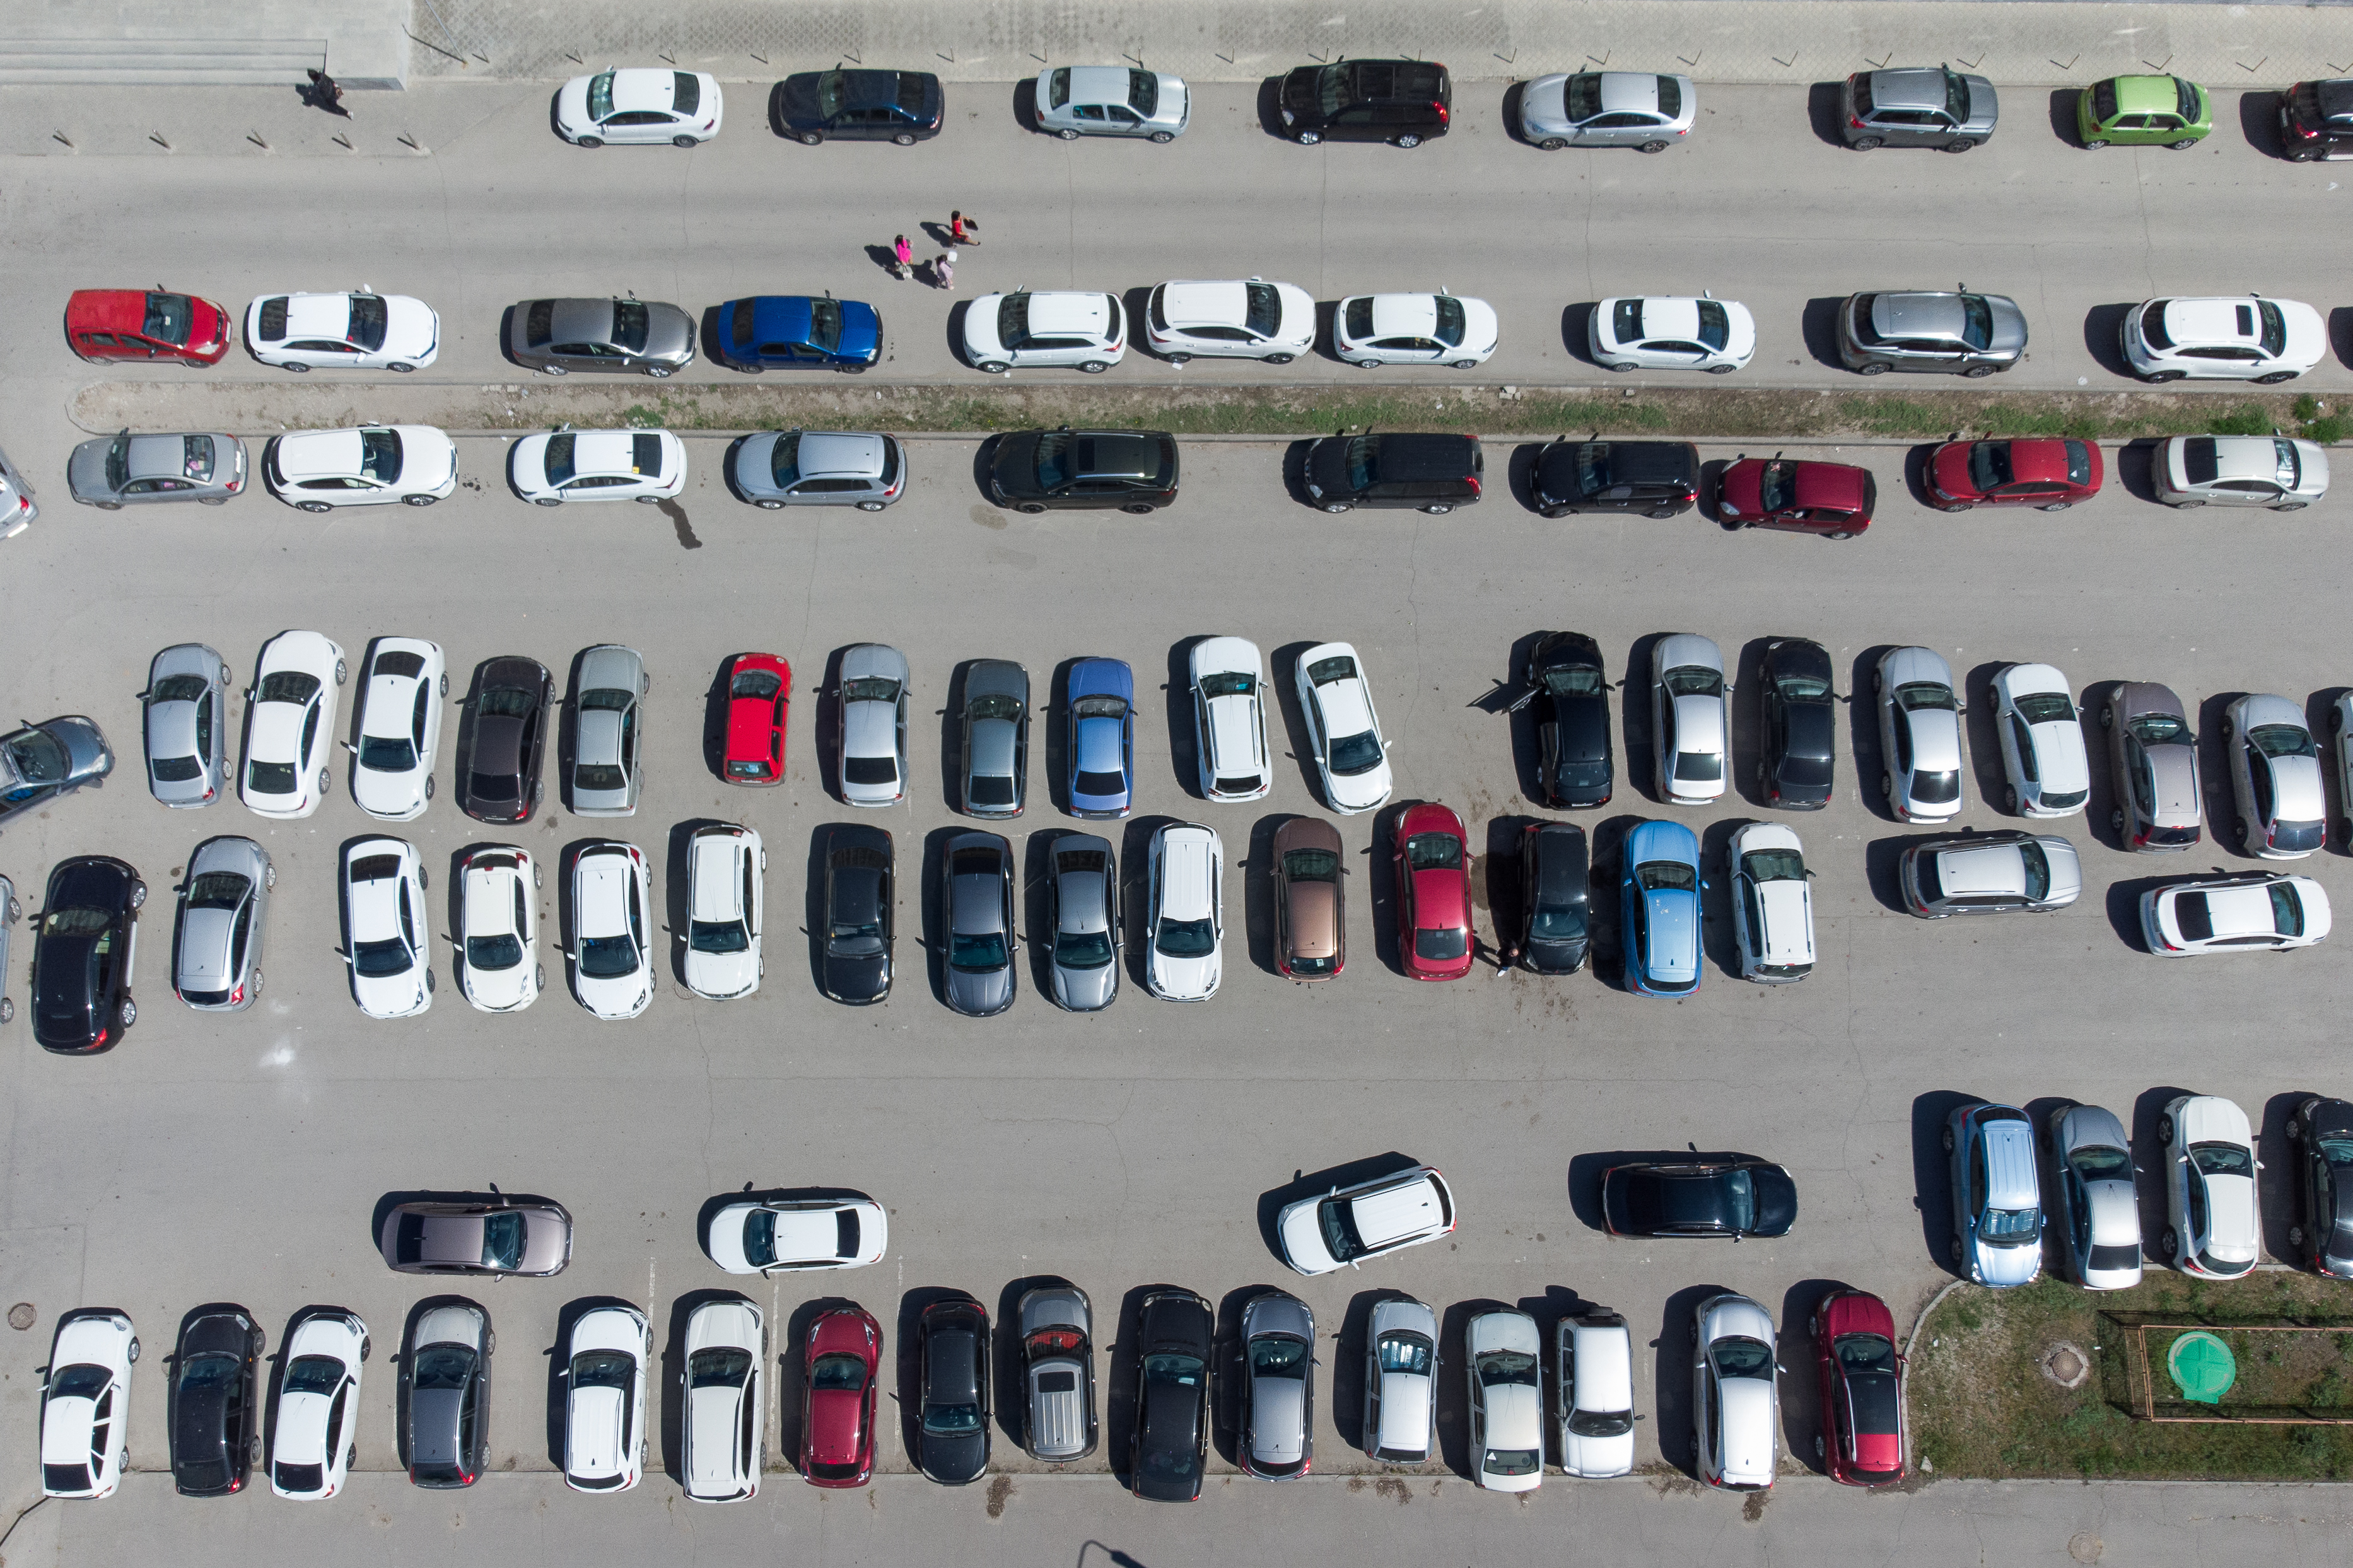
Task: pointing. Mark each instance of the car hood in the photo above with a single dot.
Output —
(1084, 990)
(979, 991)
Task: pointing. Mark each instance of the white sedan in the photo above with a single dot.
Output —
(1247, 318)
(1342, 727)
(2212, 1228)
(1185, 914)
(1736, 1442)
(375, 465)
(559, 466)
(2240, 471)
(1672, 333)
(639, 104)
(2260, 913)
(792, 1234)
(605, 1400)
(1503, 1352)
(1374, 329)
(1065, 328)
(390, 929)
(2041, 737)
(400, 728)
(1230, 718)
(612, 966)
(722, 1436)
(318, 1406)
(365, 330)
(498, 929)
(725, 865)
(86, 1404)
(290, 725)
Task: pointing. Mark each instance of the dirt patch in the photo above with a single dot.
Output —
(1394, 1489)
(1753, 1511)
(1000, 1492)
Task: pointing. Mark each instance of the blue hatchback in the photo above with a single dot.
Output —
(799, 330)
(1100, 702)
(1659, 910)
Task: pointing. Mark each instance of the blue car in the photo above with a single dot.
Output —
(799, 330)
(1101, 708)
(1659, 910)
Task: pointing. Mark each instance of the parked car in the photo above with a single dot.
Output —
(727, 867)
(290, 725)
(1431, 854)
(1913, 106)
(2315, 121)
(1593, 1395)
(2280, 808)
(605, 1399)
(2320, 1140)
(612, 927)
(759, 703)
(723, 1402)
(1058, 1370)
(387, 928)
(789, 331)
(1168, 1449)
(366, 331)
(1344, 732)
(18, 511)
(529, 1237)
(952, 1417)
(978, 896)
(38, 762)
(861, 922)
(1927, 331)
(1658, 909)
(1608, 109)
(1772, 904)
(2213, 1230)
(1277, 1439)
(1099, 740)
(608, 710)
(1569, 685)
(2240, 471)
(498, 929)
(1402, 102)
(2259, 911)
(1736, 1440)
(1657, 479)
(1082, 913)
(2047, 472)
(1690, 719)
(503, 736)
(224, 915)
(445, 1394)
(1064, 329)
(2042, 736)
(1112, 100)
(1555, 913)
(1244, 318)
(1184, 913)
(85, 943)
(1919, 734)
(995, 746)
(553, 467)
(1797, 767)
(400, 728)
(315, 1434)
(818, 468)
(216, 1407)
(1311, 927)
(895, 106)
(1988, 874)
(1798, 495)
(2095, 1206)
(2144, 112)
(782, 1235)
(1699, 1197)
(10, 912)
(184, 725)
(1369, 331)
(873, 725)
(1997, 1199)
(1400, 1381)
(116, 325)
(640, 337)
(840, 1369)
(86, 1404)
(1670, 332)
(122, 469)
(1503, 1355)
(1347, 1225)
(2152, 767)
(1433, 472)
(1861, 1379)
(1229, 684)
(639, 105)
(2229, 339)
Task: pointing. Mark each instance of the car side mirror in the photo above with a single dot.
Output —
(348, 747)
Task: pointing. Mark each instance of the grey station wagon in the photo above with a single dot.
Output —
(445, 1377)
(1957, 333)
(644, 337)
(1917, 107)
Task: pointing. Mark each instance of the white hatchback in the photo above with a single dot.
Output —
(1503, 1357)
(318, 1406)
(365, 330)
(558, 466)
(290, 725)
(86, 1404)
(641, 105)
(1373, 330)
(2042, 754)
(788, 1235)
(1593, 1408)
(1736, 1398)
(374, 464)
(722, 1433)
(1347, 1224)
(498, 929)
(389, 928)
(1185, 914)
(1064, 329)
(2246, 338)
(1772, 904)
(1345, 733)
(1672, 332)
(605, 1400)
(612, 966)
(1246, 317)
(724, 868)
(1229, 683)
(400, 728)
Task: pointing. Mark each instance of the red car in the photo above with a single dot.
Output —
(2046, 471)
(837, 1379)
(131, 323)
(1862, 1389)
(1833, 500)
(1433, 881)
(759, 699)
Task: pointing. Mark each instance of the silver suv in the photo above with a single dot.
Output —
(818, 468)
(1954, 333)
(1918, 105)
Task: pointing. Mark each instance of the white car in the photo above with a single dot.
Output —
(318, 1406)
(1185, 914)
(2261, 912)
(1229, 685)
(366, 331)
(2240, 471)
(2246, 338)
(612, 964)
(1593, 1396)
(1503, 1357)
(389, 928)
(1374, 329)
(369, 465)
(1062, 328)
(1371, 1219)
(1919, 735)
(558, 466)
(400, 728)
(639, 105)
(724, 901)
(2042, 754)
(86, 1404)
(1672, 332)
(1400, 1381)
(1342, 727)
(721, 1433)
(792, 1234)
(1735, 1399)
(290, 725)
(605, 1400)
(2212, 1229)
(1246, 317)
(2279, 805)
(1690, 719)
(1772, 904)
(498, 929)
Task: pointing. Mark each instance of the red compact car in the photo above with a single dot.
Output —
(2046, 471)
(1862, 1389)
(759, 699)
(837, 1380)
(131, 323)
(1833, 500)
(1433, 882)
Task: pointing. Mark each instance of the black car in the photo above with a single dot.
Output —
(1435, 473)
(503, 738)
(215, 1415)
(1657, 479)
(952, 1435)
(859, 106)
(1405, 103)
(2321, 1136)
(1698, 1197)
(1800, 726)
(83, 946)
(1554, 871)
(445, 1394)
(1173, 1333)
(859, 934)
(1576, 762)
(2315, 121)
(1135, 471)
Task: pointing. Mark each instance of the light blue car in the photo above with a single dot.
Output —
(1997, 1197)
(1101, 704)
(1659, 910)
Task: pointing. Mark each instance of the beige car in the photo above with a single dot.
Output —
(1311, 937)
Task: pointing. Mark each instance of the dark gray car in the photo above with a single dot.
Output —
(1082, 913)
(995, 738)
(1922, 106)
(122, 469)
(445, 1388)
(224, 914)
(55, 757)
(640, 336)
(2153, 766)
(976, 895)
(1954, 333)
(952, 1441)
(186, 714)
(858, 919)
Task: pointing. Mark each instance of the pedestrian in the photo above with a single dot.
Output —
(960, 229)
(325, 94)
(1505, 958)
(943, 271)
(904, 264)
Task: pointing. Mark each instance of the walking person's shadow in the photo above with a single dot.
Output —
(885, 258)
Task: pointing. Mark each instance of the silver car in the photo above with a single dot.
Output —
(1988, 874)
(1608, 109)
(185, 709)
(122, 469)
(1058, 1368)
(1112, 100)
(2153, 766)
(1919, 735)
(1400, 1382)
(1278, 1413)
(224, 912)
(2280, 806)
(17, 508)
(2097, 1211)
(1690, 719)
(873, 718)
(641, 336)
(995, 738)
(607, 713)
(1918, 105)
(1082, 913)
(1955, 334)
(9, 912)
(818, 468)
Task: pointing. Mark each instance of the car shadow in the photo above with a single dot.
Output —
(1050, 737)
(1269, 108)
(1863, 733)
(1025, 106)
(1315, 1184)
(2320, 717)
(1748, 715)
(1515, 129)
(1294, 472)
(1805, 1425)
(1282, 671)
(1328, 333)
(1820, 326)
(1640, 761)
(714, 720)
(2123, 906)
(2135, 467)
(2105, 797)
(1932, 1184)
(2062, 107)
(934, 906)
(567, 727)
(1607, 952)
(813, 902)
(1257, 890)
(2277, 1177)
(1381, 905)
(1346, 1378)
(1037, 853)
(1585, 1174)
(1677, 1429)
(1978, 721)
(1917, 460)
(2340, 333)
(1452, 1394)
(714, 342)
(2214, 772)
(952, 738)
(2259, 122)
(1498, 888)
(1882, 864)
(775, 110)
(956, 313)
(2104, 328)
(1520, 719)
(1825, 109)
(2149, 1168)
(1577, 331)
(1177, 707)
(1520, 472)
(1137, 304)
(1716, 894)
(825, 737)
(984, 465)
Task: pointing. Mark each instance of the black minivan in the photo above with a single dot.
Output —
(1403, 103)
(1435, 473)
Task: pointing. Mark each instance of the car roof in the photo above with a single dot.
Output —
(1203, 302)
(1604, 1378)
(1909, 87)
(1187, 889)
(2142, 94)
(1909, 314)
(1392, 1213)
(838, 454)
(2009, 1141)
(1069, 312)
(644, 87)
(1836, 487)
(316, 454)
(1404, 456)
(1629, 90)
(1098, 84)
(713, 866)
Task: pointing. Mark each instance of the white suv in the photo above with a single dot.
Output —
(1230, 718)
(2251, 339)
(1021, 330)
(1348, 1225)
(605, 1400)
(1247, 318)
(1350, 751)
(1185, 914)
(1772, 904)
(2042, 736)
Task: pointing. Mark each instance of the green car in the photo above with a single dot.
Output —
(2144, 112)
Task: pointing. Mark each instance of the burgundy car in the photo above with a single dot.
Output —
(1433, 882)
(1862, 1440)
(1833, 500)
(837, 1381)
(133, 324)
(2046, 472)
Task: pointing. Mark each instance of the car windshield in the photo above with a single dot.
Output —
(759, 685)
(1914, 695)
(1364, 454)
(1184, 1371)
(1556, 922)
(204, 1372)
(493, 952)
(1601, 1423)
(718, 1368)
(1098, 707)
(1353, 754)
(871, 689)
(1582, 94)
(270, 778)
(718, 936)
(2283, 741)
(1082, 949)
(1667, 876)
(81, 1382)
(1498, 1369)
(601, 1369)
(74, 922)
(1989, 464)
(1777, 491)
(1440, 944)
(2275, 333)
(1451, 324)
(607, 957)
(1186, 938)
(1143, 92)
(1053, 468)
(838, 1373)
(1264, 309)
(2159, 730)
(2044, 708)
(380, 455)
(1340, 1238)
(1740, 1356)
(287, 686)
(1279, 1355)
(1335, 87)
(825, 324)
(368, 317)
(1714, 322)
(2337, 1148)
(1593, 467)
(382, 960)
(982, 953)
(1803, 687)
(1976, 317)
(1697, 767)
(1404, 1352)
(1693, 680)
(450, 1367)
(2287, 914)
(2011, 1228)
(2286, 466)
(312, 1374)
(2223, 1159)
(1865, 1353)
(2036, 866)
(1774, 865)
(506, 703)
(169, 319)
(600, 96)
(1572, 680)
(2098, 1163)
(218, 891)
(1433, 852)
(1013, 321)
(1228, 683)
(1510, 1461)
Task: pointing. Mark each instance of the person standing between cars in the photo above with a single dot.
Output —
(905, 253)
(960, 229)
(325, 94)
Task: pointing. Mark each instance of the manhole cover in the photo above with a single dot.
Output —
(22, 1316)
(2202, 1366)
(2085, 1547)
(2067, 1365)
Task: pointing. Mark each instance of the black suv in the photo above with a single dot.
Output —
(1657, 479)
(2315, 121)
(1400, 102)
(1435, 473)
(1135, 471)
(859, 106)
